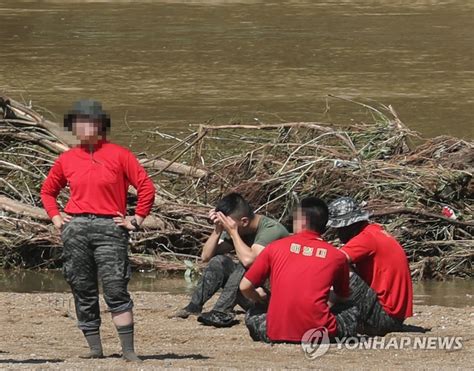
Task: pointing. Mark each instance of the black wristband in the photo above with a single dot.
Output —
(134, 222)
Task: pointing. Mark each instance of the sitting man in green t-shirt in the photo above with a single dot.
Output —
(237, 228)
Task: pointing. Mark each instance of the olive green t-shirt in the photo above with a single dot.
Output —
(268, 230)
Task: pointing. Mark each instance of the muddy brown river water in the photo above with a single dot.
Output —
(171, 63)
(451, 293)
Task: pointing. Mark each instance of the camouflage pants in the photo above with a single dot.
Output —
(346, 318)
(96, 247)
(373, 318)
(221, 272)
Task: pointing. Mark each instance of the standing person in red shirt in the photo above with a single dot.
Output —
(302, 268)
(381, 285)
(95, 231)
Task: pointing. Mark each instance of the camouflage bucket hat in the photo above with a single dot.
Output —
(88, 108)
(345, 211)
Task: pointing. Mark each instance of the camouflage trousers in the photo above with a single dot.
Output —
(362, 313)
(95, 247)
(373, 318)
(346, 319)
(221, 272)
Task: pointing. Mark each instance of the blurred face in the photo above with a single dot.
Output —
(86, 130)
(299, 221)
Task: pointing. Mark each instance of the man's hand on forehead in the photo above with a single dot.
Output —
(212, 219)
(229, 224)
(213, 216)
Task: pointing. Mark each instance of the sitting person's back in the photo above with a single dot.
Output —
(381, 262)
(381, 284)
(302, 268)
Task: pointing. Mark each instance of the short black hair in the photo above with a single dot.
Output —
(316, 213)
(235, 204)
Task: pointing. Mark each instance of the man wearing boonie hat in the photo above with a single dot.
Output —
(381, 285)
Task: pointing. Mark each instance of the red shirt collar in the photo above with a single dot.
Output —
(98, 145)
(306, 233)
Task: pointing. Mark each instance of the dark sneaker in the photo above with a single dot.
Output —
(186, 312)
(217, 319)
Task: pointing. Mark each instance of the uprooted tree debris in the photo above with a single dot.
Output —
(405, 186)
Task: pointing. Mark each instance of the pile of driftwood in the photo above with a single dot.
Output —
(404, 180)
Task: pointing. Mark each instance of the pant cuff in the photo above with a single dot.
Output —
(89, 325)
(121, 308)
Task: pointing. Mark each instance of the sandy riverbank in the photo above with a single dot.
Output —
(38, 332)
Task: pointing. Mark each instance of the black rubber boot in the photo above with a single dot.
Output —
(95, 344)
(126, 339)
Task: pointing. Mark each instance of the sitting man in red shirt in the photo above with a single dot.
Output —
(302, 268)
(381, 286)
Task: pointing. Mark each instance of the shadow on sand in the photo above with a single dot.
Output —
(166, 356)
(31, 361)
(418, 329)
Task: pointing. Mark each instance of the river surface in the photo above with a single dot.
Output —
(169, 64)
(452, 293)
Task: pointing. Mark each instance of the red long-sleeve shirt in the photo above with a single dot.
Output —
(98, 181)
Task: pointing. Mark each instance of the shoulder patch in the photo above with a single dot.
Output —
(295, 248)
(321, 253)
(308, 251)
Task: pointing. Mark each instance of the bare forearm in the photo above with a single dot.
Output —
(210, 247)
(251, 293)
(244, 253)
(139, 219)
